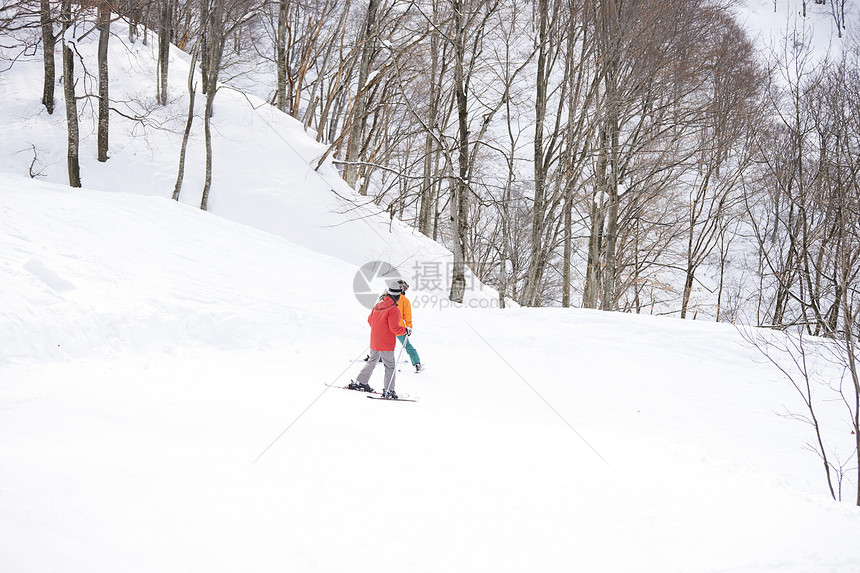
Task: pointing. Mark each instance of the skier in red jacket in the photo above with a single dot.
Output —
(385, 326)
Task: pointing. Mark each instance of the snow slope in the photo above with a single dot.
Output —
(264, 166)
(164, 409)
(163, 404)
(769, 21)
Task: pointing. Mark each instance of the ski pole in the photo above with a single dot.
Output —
(397, 364)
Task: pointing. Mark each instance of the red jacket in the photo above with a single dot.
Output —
(384, 323)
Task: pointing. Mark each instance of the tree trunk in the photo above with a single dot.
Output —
(539, 252)
(165, 32)
(458, 274)
(611, 182)
(104, 101)
(133, 16)
(204, 44)
(48, 44)
(688, 289)
(592, 271)
(281, 55)
(207, 130)
(568, 253)
(503, 263)
(610, 270)
(69, 96)
(854, 371)
(595, 242)
(848, 257)
(427, 208)
(724, 255)
(192, 92)
(460, 203)
(216, 35)
(353, 148)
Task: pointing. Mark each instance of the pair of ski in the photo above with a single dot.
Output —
(375, 395)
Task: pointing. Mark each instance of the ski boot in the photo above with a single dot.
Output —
(361, 387)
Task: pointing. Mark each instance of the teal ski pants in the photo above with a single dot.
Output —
(410, 350)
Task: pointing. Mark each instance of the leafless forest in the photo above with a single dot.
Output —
(635, 155)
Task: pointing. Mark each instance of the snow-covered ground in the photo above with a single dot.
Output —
(164, 408)
(163, 398)
(770, 21)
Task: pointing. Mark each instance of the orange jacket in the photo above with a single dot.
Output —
(384, 321)
(405, 311)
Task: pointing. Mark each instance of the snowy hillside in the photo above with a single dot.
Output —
(769, 20)
(164, 372)
(164, 409)
(264, 163)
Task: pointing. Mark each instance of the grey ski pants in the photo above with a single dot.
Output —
(387, 361)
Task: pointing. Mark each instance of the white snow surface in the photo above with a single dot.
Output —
(163, 398)
(771, 21)
(164, 408)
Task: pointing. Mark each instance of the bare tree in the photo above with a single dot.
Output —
(580, 133)
(793, 223)
(794, 357)
(73, 140)
(724, 149)
(470, 27)
(811, 243)
(219, 20)
(49, 42)
(213, 38)
(165, 36)
(301, 42)
(103, 131)
(648, 64)
(192, 92)
(837, 9)
(460, 202)
(547, 139)
(438, 65)
(842, 101)
(359, 110)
